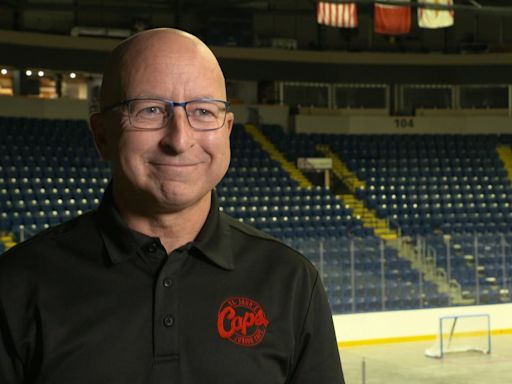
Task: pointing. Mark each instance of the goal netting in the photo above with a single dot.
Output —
(462, 333)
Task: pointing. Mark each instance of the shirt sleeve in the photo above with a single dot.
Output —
(10, 366)
(11, 369)
(12, 322)
(317, 355)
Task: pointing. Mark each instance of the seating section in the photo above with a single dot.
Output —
(430, 185)
(361, 275)
(423, 183)
(482, 264)
(257, 190)
(315, 221)
(456, 184)
(50, 172)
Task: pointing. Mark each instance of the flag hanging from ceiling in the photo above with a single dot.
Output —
(392, 19)
(435, 18)
(337, 14)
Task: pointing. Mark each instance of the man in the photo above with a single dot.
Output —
(157, 285)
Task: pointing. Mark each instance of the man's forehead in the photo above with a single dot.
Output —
(163, 61)
(163, 43)
(176, 69)
(164, 56)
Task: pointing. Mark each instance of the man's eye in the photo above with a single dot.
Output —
(203, 112)
(152, 110)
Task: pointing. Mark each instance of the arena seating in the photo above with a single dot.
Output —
(259, 191)
(50, 172)
(315, 221)
(356, 271)
(483, 261)
(453, 183)
(430, 185)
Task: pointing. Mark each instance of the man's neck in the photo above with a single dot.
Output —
(174, 229)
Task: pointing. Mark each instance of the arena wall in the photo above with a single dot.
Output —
(357, 121)
(486, 122)
(411, 325)
(20, 106)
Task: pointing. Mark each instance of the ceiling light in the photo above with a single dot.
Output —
(28, 72)
(40, 73)
(72, 75)
(3, 71)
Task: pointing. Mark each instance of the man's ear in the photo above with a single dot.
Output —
(230, 118)
(99, 132)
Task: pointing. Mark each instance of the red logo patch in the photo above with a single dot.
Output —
(242, 321)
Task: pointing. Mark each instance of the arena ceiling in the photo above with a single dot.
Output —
(215, 17)
(245, 6)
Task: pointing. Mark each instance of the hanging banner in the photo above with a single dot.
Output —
(392, 19)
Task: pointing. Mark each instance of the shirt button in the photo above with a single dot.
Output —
(167, 282)
(152, 248)
(168, 321)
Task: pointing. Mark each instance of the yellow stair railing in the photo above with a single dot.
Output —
(360, 210)
(505, 154)
(275, 154)
(8, 240)
(340, 169)
(369, 218)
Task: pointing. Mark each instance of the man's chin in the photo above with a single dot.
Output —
(175, 198)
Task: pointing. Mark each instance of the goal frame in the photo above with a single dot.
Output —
(439, 341)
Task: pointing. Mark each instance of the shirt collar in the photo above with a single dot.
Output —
(214, 239)
(122, 243)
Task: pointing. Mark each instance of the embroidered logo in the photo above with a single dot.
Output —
(242, 321)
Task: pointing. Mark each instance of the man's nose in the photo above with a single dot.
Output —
(179, 135)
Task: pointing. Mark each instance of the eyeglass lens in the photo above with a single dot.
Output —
(201, 114)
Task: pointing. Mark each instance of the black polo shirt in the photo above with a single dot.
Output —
(91, 301)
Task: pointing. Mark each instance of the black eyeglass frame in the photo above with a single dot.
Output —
(172, 104)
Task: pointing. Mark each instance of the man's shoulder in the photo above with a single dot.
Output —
(47, 240)
(265, 245)
(251, 234)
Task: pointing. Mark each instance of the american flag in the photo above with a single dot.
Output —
(337, 14)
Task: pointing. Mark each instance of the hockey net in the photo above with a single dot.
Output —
(462, 333)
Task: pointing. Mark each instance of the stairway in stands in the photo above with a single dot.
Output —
(340, 169)
(275, 154)
(366, 215)
(381, 226)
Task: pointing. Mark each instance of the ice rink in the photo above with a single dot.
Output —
(405, 363)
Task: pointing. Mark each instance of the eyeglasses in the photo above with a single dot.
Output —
(154, 113)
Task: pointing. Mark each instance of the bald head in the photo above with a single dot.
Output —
(153, 53)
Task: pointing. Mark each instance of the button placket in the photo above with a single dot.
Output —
(166, 314)
(152, 248)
